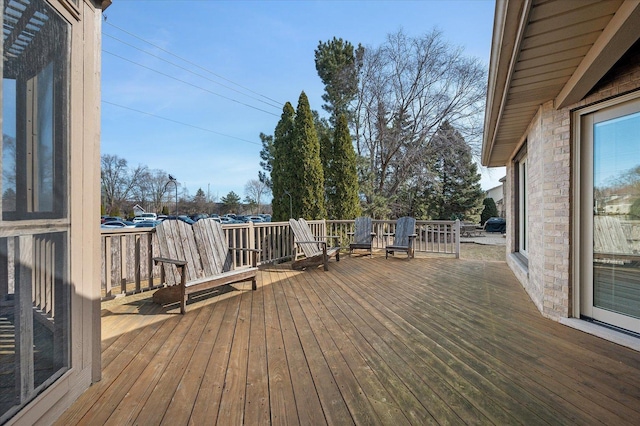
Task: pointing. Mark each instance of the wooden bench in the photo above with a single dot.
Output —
(471, 230)
(197, 257)
(314, 249)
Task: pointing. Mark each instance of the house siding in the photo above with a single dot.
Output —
(547, 278)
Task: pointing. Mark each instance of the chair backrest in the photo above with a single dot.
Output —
(302, 232)
(362, 233)
(404, 227)
(213, 247)
(177, 241)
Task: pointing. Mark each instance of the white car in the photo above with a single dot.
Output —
(145, 217)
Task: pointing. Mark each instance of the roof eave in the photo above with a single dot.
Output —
(508, 29)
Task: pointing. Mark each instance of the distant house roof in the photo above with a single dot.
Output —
(546, 50)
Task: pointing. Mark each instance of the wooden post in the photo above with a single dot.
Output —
(23, 311)
(457, 235)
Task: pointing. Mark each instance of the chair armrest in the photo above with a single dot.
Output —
(312, 242)
(176, 262)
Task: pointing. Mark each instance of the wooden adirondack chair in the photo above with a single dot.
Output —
(314, 249)
(363, 236)
(403, 237)
(202, 260)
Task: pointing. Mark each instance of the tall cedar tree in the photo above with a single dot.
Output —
(282, 170)
(454, 192)
(341, 175)
(338, 65)
(490, 210)
(308, 178)
(266, 159)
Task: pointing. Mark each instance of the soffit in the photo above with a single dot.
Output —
(546, 48)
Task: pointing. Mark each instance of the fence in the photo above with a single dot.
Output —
(127, 254)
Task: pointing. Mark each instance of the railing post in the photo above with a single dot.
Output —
(123, 264)
(457, 235)
(251, 243)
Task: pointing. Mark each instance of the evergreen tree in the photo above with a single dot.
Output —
(266, 159)
(490, 210)
(341, 175)
(338, 65)
(454, 191)
(231, 202)
(199, 201)
(307, 182)
(282, 171)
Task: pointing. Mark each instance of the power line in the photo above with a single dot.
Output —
(193, 64)
(179, 122)
(189, 84)
(192, 72)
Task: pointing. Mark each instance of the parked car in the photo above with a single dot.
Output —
(254, 219)
(228, 220)
(145, 216)
(112, 224)
(266, 217)
(184, 218)
(147, 223)
(198, 216)
(496, 224)
(104, 219)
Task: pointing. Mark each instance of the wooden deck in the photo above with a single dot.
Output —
(371, 341)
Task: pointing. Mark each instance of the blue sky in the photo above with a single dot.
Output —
(236, 64)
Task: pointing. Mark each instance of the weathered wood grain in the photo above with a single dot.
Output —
(435, 340)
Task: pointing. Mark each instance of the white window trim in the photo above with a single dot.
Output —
(582, 237)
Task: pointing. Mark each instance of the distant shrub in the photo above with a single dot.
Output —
(490, 210)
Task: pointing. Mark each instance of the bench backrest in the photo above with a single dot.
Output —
(177, 241)
(213, 247)
(608, 236)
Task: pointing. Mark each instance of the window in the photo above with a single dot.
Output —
(610, 212)
(34, 225)
(520, 185)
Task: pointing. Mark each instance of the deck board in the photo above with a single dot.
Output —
(371, 341)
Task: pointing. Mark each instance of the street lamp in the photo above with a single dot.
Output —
(290, 206)
(175, 182)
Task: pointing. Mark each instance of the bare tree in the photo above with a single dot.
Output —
(118, 181)
(255, 191)
(408, 88)
(149, 190)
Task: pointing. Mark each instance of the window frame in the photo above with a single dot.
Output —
(521, 227)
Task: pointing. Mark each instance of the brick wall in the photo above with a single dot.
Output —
(549, 158)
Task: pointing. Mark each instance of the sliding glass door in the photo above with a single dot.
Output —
(610, 216)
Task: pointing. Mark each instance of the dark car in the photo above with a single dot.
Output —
(111, 224)
(147, 224)
(185, 219)
(496, 224)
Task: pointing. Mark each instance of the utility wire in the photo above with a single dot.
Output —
(179, 122)
(189, 84)
(193, 64)
(192, 72)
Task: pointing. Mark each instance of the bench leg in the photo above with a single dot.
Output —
(183, 295)
(254, 284)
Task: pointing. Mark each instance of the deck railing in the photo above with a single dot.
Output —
(127, 254)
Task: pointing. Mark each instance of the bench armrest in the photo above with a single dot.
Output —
(254, 256)
(176, 262)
